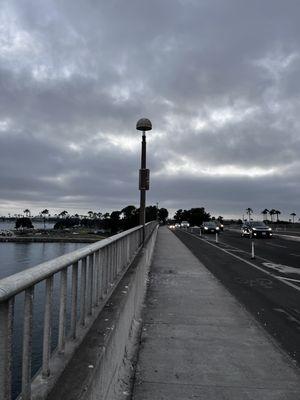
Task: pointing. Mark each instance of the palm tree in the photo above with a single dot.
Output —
(265, 213)
(44, 213)
(272, 212)
(63, 214)
(249, 211)
(277, 212)
(27, 212)
(293, 216)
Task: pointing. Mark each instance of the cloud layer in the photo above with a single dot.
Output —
(219, 80)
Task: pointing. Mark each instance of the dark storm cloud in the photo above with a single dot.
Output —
(218, 79)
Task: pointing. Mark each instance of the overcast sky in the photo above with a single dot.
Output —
(219, 79)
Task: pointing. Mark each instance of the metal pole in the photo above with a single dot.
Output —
(143, 191)
(217, 239)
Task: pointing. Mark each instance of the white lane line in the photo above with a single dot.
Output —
(290, 279)
(276, 245)
(295, 255)
(288, 237)
(289, 316)
(238, 251)
(249, 263)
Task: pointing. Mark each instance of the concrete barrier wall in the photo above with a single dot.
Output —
(102, 366)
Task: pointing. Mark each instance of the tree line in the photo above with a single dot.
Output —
(272, 212)
(194, 216)
(113, 222)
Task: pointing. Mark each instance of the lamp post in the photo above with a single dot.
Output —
(143, 125)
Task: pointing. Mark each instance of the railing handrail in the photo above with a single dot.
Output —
(16, 283)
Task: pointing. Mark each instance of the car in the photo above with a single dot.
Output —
(221, 226)
(256, 229)
(209, 227)
(184, 224)
(177, 225)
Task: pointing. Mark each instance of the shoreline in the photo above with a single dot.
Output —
(15, 239)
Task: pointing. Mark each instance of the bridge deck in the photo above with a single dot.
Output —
(198, 342)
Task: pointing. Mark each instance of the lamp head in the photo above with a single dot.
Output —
(144, 124)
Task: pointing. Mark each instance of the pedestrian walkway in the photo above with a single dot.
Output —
(198, 342)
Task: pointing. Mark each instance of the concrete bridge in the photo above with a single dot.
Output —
(189, 339)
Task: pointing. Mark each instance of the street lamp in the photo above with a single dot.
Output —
(143, 125)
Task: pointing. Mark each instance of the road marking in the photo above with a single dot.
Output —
(295, 255)
(263, 282)
(291, 279)
(284, 269)
(288, 237)
(290, 317)
(249, 263)
(276, 245)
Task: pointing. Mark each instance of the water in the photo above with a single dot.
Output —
(16, 257)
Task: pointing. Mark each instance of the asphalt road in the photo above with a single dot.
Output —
(268, 286)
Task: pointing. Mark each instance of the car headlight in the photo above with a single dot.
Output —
(254, 229)
(269, 229)
(217, 228)
(205, 227)
(254, 234)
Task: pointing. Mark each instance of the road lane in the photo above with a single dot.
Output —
(276, 250)
(268, 288)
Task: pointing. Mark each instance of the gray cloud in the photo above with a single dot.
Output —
(219, 80)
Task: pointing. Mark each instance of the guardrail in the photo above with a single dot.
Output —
(95, 271)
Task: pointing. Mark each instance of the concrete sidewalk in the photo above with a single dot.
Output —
(199, 343)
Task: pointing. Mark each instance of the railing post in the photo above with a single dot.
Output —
(110, 262)
(97, 278)
(83, 292)
(6, 329)
(115, 260)
(127, 249)
(27, 344)
(47, 328)
(62, 311)
(102, 274)
(90, 284)
(105, 271)
(74, 300)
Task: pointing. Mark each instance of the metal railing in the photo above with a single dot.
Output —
(95, 271)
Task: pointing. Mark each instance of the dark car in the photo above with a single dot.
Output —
(209, 227)
(256, 229)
